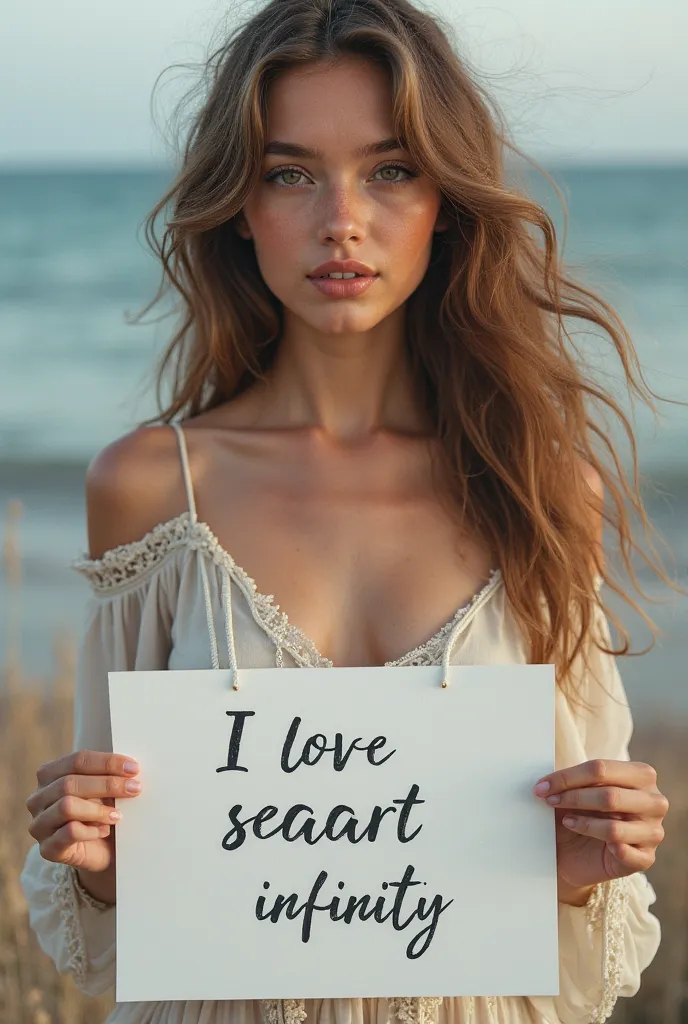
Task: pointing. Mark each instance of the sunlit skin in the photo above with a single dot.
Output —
(318, 481)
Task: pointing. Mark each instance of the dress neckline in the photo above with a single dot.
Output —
(122, 566)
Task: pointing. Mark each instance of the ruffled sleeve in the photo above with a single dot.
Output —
(125, 628)
(605, 945)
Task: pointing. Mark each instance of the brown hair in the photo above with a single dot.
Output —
(498, 375)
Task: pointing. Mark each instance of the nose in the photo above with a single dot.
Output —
(343, 215)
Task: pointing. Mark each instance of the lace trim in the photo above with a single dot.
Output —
(406, 1010)
(127, 562)
(122, 565)
(412, 1010)
(430, 652)
(283, 1011)
(607, 909)
(86, 896)
(65, 897)
(68, 895)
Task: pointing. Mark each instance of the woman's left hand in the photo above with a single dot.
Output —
(608, 819)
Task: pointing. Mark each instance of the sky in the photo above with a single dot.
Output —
(579, 80)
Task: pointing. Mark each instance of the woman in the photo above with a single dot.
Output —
(378, 452)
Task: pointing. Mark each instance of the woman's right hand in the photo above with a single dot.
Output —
(73, 807)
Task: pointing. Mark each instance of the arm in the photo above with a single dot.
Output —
(607, 934)
(608, 941)
(72, 911)
(73, 925)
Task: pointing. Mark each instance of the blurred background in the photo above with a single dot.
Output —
(597, 94)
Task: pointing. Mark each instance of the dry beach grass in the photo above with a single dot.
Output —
(36, 726)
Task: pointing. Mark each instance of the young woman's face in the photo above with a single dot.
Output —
(338, 204)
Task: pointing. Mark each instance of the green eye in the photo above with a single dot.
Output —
(409, 173)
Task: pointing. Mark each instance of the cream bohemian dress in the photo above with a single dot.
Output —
(155, 604)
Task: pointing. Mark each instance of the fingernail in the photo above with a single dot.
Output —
(114, 815)
(569, 821)
(131, 767)
(554, 799)
(132, 786)
(542, 787)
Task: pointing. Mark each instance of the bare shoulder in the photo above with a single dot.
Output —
(592, 478)
(596, 485)
(132, 485)
(594, 482)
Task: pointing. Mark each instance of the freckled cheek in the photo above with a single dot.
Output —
(407, 223)
(276, 236)
(414, 235)
(408, 241)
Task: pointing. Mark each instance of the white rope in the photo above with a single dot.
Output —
(229, 625)
(209, 614)
(448, 648)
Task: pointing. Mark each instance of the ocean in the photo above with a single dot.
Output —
(74, 374)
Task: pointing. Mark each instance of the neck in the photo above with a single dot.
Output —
(347, 385)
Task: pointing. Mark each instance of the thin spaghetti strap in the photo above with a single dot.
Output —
(184, 455)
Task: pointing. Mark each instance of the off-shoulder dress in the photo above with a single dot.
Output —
(177, 599)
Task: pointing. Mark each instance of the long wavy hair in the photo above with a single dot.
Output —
(510, 400)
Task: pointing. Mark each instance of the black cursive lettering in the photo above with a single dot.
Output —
(316, 745)
(234, 741)
(365, 908)
(341, 823)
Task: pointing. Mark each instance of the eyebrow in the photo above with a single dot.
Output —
(278, 148)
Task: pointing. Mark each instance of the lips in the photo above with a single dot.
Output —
(343, 267)
(321, 277)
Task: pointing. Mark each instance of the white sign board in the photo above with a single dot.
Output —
(336, 832)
